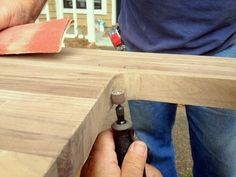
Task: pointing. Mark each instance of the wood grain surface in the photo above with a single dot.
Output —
(53, 106)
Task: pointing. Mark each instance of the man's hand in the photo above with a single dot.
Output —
(102, 161)
(19, 12)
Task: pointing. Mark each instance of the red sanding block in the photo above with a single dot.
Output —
(45, 37)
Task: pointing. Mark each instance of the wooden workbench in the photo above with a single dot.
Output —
(53, 106)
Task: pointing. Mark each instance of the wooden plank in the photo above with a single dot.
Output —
(53, 106)
(23, 165)
(36, 121)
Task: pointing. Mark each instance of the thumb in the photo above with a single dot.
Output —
(152, 171)
(135, 160)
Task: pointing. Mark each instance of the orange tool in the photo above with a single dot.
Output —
(43, 37)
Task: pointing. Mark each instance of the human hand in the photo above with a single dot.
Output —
(102, 161)
(19, 12)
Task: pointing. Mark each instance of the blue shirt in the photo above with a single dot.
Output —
(178, 26)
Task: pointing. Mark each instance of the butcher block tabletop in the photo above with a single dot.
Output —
(52, 106)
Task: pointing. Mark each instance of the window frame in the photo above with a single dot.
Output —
(102, 11)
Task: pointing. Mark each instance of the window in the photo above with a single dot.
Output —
(81, 4)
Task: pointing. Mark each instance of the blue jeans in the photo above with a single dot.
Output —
(212, 135)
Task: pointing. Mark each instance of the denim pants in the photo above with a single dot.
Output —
(212, 135)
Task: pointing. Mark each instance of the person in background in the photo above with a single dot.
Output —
(183, 27)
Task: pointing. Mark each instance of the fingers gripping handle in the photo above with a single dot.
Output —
(122, 129)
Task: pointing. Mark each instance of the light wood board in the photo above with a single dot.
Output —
(53, 106)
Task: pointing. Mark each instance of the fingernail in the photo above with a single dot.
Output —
(139, 148)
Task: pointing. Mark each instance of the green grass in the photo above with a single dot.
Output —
(187, 174)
